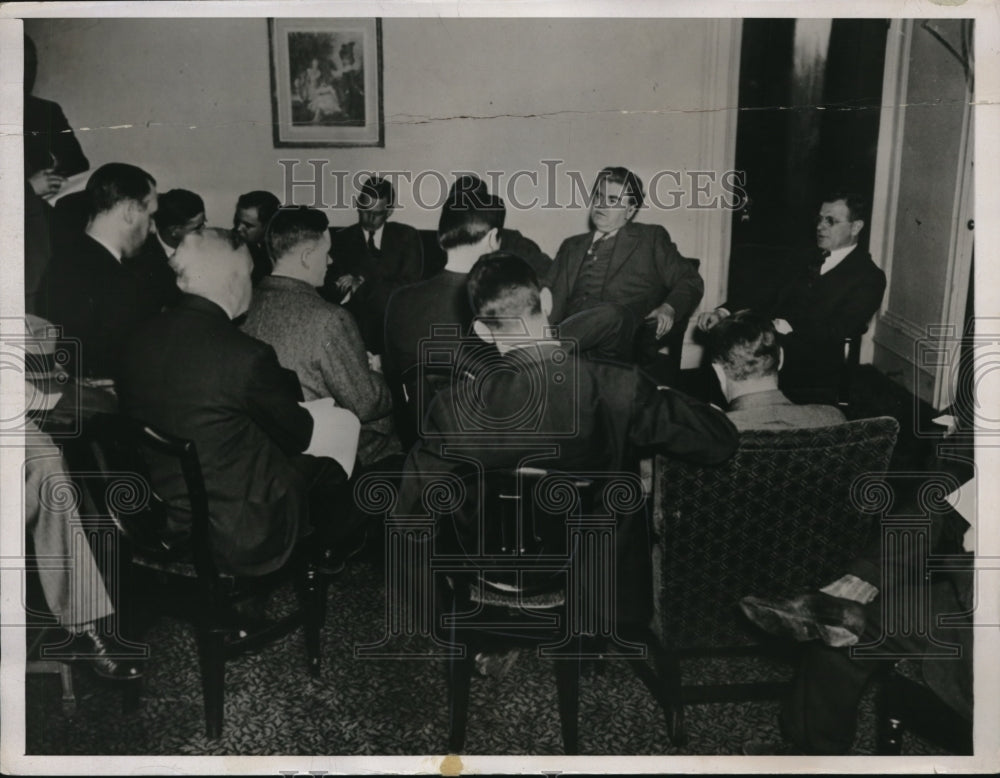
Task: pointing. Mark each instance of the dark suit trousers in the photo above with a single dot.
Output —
(605, 332)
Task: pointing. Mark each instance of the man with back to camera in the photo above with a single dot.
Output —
(253, 211)
(612, 411)
(317, 339)
(829, 296)
(91, 289)
(610, 282)
(371, 259)
(745, 355)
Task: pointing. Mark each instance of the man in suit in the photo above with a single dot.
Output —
(746, 356)
(191, 373)
(534, 400)
(608, 282)
(92, 290)
(831, 295)
(371, 259)
(253, 211)
(179, 213)
(317, 339)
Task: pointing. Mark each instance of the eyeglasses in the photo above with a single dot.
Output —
(829, 221)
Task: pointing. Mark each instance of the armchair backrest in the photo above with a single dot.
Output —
(774, 520)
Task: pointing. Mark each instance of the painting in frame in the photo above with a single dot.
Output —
(326, 82)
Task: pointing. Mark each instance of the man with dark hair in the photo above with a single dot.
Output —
(253, 211)
(469, 227)
(91, 289)
(179, 213)
(600, 418)
(620, 275)
(317, 339)
(371, 259)
(828, 297)
(746, 356)
(510, 240)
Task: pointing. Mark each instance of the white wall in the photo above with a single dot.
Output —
(635, 92)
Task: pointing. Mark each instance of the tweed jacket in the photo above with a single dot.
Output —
(320, 342)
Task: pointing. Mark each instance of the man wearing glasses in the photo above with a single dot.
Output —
(830, 296)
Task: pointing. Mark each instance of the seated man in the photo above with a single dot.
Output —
(831, 295)
(71, 581)
(371, 259)
(746, 357)
(468, 229)
(619, 275)
(192, 374)
(179, 213)
(91, 289)
(600, 421)
(317, 339)
(253, 211)
(511, 241)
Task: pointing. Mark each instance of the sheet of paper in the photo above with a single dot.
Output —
(335, 433)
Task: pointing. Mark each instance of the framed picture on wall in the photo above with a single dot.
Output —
(326, 82)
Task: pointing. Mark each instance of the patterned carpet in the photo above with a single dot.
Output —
(386, 706)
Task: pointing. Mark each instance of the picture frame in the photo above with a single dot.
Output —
(326, 82)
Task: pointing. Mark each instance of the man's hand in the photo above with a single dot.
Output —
(46, 183)
(374, 362)
(709, 319)
(663, 315)
(349, 283)
(781, 326)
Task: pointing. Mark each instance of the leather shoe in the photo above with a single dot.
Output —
(109, 659)
(333, 561)
(835, 621)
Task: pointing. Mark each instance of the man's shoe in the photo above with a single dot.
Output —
(835, 621)
(110, 659)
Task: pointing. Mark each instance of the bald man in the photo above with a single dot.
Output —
(191, 373)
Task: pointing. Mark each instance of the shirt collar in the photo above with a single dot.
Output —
(836, 257)
(759, 400)
(598, 235)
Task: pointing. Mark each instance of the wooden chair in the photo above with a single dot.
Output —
(523, 580)
(776, 517)
(183, 572)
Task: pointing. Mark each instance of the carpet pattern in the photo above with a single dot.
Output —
(388, 706)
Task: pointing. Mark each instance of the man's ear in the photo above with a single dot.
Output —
(484, 332)
(493, 239)
(856, 226)
(130, 211)
(781, 357)
(545, 296)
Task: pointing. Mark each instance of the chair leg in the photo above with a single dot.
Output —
(459, 671)
(314, 603)
(68, 696)
(211, 649)
(568, 688)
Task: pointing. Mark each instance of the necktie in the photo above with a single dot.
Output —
(592, 251)
(371, 241)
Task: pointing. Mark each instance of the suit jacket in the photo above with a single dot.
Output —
(516, 243)
(772, 410)
(49, 140)
(646, 270)
(321, 343)
(152, 267)
(612, 414)
(98, 300)
(191, 373)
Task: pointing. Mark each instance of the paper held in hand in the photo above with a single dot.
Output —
(335, 433)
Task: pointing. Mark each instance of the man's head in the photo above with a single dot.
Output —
(253, 211)
(375, 202)
(470, 219)
(212, 265)
(745, 354)
(179, 212)
(122, 201)
(615, 198)
(841, 219)
(469, 187)
(299, 242)
(507, 300)
(30, 64)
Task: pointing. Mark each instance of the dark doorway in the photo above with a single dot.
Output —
(810, 97)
